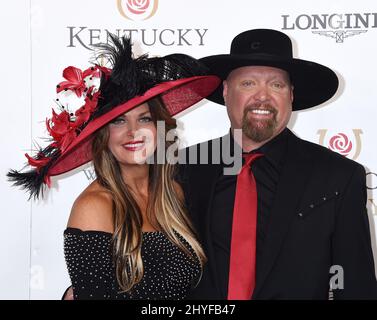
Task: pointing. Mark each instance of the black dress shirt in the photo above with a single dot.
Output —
(266, 171)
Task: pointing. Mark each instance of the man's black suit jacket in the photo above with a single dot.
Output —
(318, 220)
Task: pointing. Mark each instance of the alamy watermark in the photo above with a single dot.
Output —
(337, 280)
(218, 151)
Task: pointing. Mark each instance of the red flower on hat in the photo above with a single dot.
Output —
(60, 125)
(62, 129)
(65, 126)
(83, 114)
(76, 79)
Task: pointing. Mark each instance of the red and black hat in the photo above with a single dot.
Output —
(104, 94)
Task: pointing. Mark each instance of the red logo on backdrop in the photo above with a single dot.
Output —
(348, 145)
(137, 6)
(341, 144)
(137, 9)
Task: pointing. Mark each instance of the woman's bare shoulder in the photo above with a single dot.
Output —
(92, 210)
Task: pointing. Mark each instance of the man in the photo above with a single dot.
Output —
(312, 230)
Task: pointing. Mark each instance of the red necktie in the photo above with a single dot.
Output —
(244, 229)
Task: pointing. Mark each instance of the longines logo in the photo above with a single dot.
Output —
(137, 10)
(335, 25)
(348, 145)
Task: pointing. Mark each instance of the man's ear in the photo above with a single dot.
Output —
(225, 89)
(292, 93)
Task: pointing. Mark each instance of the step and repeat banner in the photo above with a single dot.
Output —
(42, 37)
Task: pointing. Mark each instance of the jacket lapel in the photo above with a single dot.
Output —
(294, 176)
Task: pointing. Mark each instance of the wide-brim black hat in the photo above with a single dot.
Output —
(313, 83)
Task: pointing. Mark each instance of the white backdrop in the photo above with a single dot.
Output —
(39, 38)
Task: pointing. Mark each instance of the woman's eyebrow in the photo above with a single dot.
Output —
(143, 113)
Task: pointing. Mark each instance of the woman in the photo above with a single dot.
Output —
(128, 235)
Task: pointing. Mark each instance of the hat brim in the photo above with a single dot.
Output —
(177, 95)
(313, 83)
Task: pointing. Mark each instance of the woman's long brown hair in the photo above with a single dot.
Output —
(165, 209)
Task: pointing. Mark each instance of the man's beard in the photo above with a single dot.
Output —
(259, 130)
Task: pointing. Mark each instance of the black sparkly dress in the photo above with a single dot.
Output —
(168, 272)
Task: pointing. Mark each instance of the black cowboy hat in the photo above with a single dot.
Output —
(313, 82)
